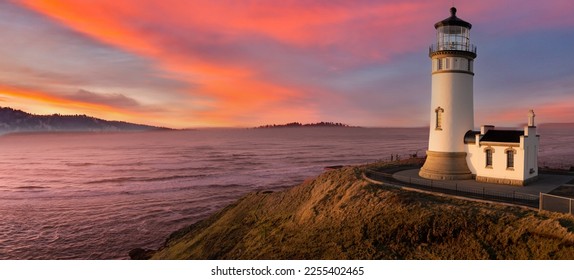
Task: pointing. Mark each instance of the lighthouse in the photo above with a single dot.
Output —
(456, 151)
(451, 112)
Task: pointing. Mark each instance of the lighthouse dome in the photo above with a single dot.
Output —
(453, 20)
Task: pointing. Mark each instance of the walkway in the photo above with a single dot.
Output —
(545, 183)
(519, 195)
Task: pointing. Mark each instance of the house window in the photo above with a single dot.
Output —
(488, 157)
(438, 111)
(509, 159)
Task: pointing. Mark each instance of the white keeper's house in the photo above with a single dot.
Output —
(456, 150)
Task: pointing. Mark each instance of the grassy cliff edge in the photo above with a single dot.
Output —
(338, 215)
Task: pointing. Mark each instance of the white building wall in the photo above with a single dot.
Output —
(531, 143)
(525, 159)
(451, 91)
(476, 159)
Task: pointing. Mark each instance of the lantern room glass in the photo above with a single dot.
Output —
(453, 37)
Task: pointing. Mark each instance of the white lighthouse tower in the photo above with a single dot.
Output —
(452, 112)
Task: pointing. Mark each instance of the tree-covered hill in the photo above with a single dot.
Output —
(12, 120)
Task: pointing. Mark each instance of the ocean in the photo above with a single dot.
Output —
(99, 195)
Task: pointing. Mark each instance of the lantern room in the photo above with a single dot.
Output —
(453, 34)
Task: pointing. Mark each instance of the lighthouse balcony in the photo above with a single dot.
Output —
(451, 47)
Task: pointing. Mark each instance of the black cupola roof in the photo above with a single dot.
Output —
(453, 20)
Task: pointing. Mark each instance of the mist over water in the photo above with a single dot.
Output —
(99, 195)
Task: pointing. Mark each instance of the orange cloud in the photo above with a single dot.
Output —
(247, 62)
(295, 22)
(229, 90)
(244, 102)
(43, 103)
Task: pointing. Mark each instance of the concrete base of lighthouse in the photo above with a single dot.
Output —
(445, 166)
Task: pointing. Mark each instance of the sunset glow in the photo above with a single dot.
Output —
(181, 63)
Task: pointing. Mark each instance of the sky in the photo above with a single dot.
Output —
(242, 63)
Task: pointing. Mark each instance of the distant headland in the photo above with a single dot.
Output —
(297, 124)
(12, 120)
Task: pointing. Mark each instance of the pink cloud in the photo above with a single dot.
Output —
(187, 39)
(251, 61)
(556, 111)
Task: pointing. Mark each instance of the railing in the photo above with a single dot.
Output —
(555, 203)
(453, 46)
(457, 189)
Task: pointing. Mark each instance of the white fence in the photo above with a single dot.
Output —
(555, 203)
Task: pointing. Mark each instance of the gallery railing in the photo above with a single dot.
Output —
(452, 46)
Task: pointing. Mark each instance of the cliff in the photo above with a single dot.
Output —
(338, 215)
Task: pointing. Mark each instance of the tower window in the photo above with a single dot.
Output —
(488, 157)
(469, 65)
(438, 111)
(509, 159)
(446, 63)
(439, 64)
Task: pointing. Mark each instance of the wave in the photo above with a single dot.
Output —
(144, 179)
(31, 188)
(79, 164)
(188, 169)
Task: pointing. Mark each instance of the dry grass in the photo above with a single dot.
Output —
(340, 216)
